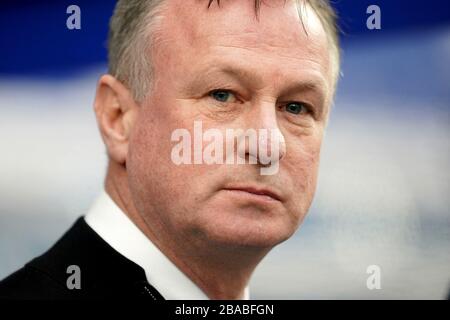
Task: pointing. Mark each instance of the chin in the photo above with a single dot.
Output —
(247, 229)
(243, 237)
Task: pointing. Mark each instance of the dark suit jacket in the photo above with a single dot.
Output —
(104, 273)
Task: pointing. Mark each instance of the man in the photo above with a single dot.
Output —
(167, 228)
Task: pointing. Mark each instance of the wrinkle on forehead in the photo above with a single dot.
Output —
(279, 23)
(191, 30)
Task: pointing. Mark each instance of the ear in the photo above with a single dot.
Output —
(116, 111)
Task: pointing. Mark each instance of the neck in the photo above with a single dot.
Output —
(221, 271)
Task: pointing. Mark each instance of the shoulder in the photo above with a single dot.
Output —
(31, 283)
(101, 271)
(41, 277)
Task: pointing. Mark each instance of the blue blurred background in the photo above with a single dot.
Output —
(383, 193)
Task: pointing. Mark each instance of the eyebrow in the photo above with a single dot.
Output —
(242, 75)
(301, 86)
(247, 76)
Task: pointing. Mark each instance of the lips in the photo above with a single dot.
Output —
(263, 192)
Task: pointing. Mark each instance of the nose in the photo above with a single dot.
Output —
(271, 145)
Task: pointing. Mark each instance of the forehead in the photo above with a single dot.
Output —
(191, 32)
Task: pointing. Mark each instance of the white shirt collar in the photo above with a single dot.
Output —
(114, 226)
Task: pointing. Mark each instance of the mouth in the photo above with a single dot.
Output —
(257, 193)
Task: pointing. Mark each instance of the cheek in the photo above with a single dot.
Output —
(302, 162)
(147, 161)
(154, 178)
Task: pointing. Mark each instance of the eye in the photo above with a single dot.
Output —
(296, 107)
(222, 95)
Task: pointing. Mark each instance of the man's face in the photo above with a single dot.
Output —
(259, 68)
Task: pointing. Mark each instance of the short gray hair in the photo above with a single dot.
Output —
(131, 35)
